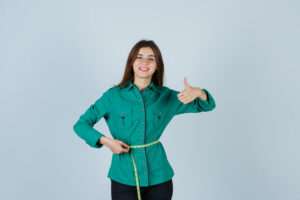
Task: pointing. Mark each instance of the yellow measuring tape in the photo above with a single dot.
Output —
(135, 168)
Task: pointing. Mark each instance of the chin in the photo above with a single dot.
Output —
(144, 75)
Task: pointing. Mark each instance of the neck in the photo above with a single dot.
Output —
(141, 83)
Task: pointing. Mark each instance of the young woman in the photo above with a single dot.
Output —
(137, 110)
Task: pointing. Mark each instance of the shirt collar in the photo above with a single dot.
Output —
(152, 86)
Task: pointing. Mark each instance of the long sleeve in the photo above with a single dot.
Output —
(84, 125)
(197, 105)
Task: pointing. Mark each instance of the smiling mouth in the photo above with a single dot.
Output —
(144, 69)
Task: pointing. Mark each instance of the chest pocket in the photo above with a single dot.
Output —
(125, 119)
(157, 118)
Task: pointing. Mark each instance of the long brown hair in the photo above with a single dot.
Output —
(157, 76)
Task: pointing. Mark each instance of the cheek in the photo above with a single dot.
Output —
(154, 67)
(135, 66)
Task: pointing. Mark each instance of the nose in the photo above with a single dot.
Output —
(144, 61)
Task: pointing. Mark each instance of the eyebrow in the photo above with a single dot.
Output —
(149, 55)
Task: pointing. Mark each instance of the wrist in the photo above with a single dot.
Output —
(202, 94)
(104, 140)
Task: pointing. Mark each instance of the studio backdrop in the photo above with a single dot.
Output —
(57, 57)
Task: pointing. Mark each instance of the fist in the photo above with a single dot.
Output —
(189, 93)
(117, 146)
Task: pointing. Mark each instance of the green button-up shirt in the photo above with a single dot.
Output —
(137, 117)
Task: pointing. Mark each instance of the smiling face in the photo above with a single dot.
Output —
(144, 65)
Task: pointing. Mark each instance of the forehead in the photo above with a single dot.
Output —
(146, 51)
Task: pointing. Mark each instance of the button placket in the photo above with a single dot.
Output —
(141, 100)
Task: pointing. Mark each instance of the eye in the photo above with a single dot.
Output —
(140, 57)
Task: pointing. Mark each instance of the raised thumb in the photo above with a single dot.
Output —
(186, 84)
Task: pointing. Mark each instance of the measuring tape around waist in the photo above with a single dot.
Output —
(135, 168)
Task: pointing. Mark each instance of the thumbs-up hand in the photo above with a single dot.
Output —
(190, 93)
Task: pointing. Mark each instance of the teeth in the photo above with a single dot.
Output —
(144, 69)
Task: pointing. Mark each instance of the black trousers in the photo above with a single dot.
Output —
(162, 191)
